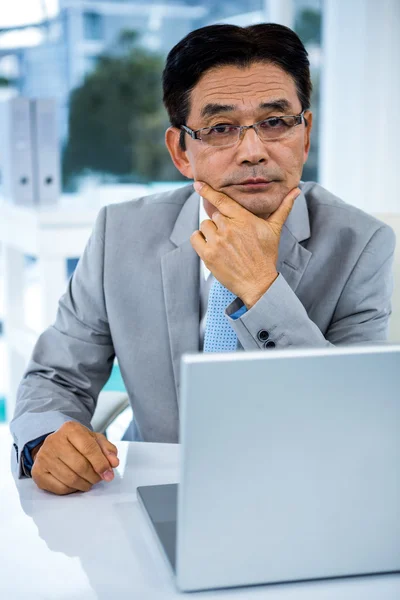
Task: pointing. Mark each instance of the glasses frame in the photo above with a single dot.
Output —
(194, 133)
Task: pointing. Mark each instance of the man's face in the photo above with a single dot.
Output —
(242, 91)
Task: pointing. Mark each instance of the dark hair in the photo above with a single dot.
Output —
(218, 45)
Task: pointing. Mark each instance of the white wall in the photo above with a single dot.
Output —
(360, 111)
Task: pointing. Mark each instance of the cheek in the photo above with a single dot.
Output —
(208, 164)
(290, 160)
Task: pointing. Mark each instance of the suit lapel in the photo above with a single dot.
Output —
(293, 258)
(180, 275)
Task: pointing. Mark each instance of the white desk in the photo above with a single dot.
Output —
(98, 545)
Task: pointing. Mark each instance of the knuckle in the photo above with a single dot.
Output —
(77, 483)
(84, 486)
(100, 463)
(88, 439)
(81, 466)
(37, 478)
(38, 467)
(208, 255)
(114, 450)
(229, 233)
(205, 228)
(73, 480)
(90, 447)
(221, 225)
(221, 245)
(62, 490)
(112, 447)
(68, 428)
(88, 473)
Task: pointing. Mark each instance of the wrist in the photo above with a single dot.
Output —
(251, 297)
(35, 450)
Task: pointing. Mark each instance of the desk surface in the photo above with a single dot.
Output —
(98, 545)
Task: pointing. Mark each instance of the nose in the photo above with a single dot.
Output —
(251, 150)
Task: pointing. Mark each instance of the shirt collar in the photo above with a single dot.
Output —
(202, 217)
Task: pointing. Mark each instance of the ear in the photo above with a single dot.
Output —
(179, 156)
(307, 134)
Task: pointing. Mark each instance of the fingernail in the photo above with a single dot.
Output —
(108, 475)
(112, 452)
(198, 185)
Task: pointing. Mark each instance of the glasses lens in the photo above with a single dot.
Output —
(220, 135)
(275, 128)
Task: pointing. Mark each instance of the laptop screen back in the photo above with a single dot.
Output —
(290, 466)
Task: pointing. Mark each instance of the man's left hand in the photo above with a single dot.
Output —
(239, 248)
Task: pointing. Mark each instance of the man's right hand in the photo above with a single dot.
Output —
(72, 459)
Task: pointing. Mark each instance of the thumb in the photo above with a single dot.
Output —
(109, 450)
(279, 217)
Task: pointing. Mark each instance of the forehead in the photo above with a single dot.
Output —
(244, 87)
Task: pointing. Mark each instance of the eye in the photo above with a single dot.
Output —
(273, 123)
(221, 128)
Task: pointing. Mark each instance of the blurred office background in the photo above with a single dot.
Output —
(100, 63)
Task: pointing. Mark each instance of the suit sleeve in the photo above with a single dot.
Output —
(72, 359)
(361, 315)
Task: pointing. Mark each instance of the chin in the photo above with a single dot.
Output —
(257, 204)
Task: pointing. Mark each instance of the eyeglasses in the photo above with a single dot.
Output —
(268, 130)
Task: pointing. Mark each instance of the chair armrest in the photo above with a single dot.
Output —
(109, 406)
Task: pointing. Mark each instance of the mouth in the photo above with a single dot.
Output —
(255, 180)
(256, 184)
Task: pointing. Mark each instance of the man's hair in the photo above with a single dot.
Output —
(220, 45)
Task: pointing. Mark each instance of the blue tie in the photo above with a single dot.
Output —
(219, 335)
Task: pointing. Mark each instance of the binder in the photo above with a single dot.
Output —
(16, 161)
(46, 151)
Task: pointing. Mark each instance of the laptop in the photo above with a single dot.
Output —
(290, 468)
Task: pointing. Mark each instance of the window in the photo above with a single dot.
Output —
(104, 69)
(93, 26)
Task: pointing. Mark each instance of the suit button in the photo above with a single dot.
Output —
(269, 344)
(263, 335)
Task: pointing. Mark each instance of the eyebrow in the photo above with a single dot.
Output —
(210, 110)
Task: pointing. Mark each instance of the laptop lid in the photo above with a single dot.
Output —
(290, 466)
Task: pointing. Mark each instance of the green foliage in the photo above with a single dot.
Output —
(4, 82)
(117, 121)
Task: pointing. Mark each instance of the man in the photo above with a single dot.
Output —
(291, 265)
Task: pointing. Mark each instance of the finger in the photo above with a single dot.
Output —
(209, 229)
(281, 214)
(219, 220)
(49, 483)
(88, 446)
(198, 242)
(223, 203)
(79, 464)
(69, 477)
(108, 449)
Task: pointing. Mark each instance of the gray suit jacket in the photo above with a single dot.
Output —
(135, 294)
